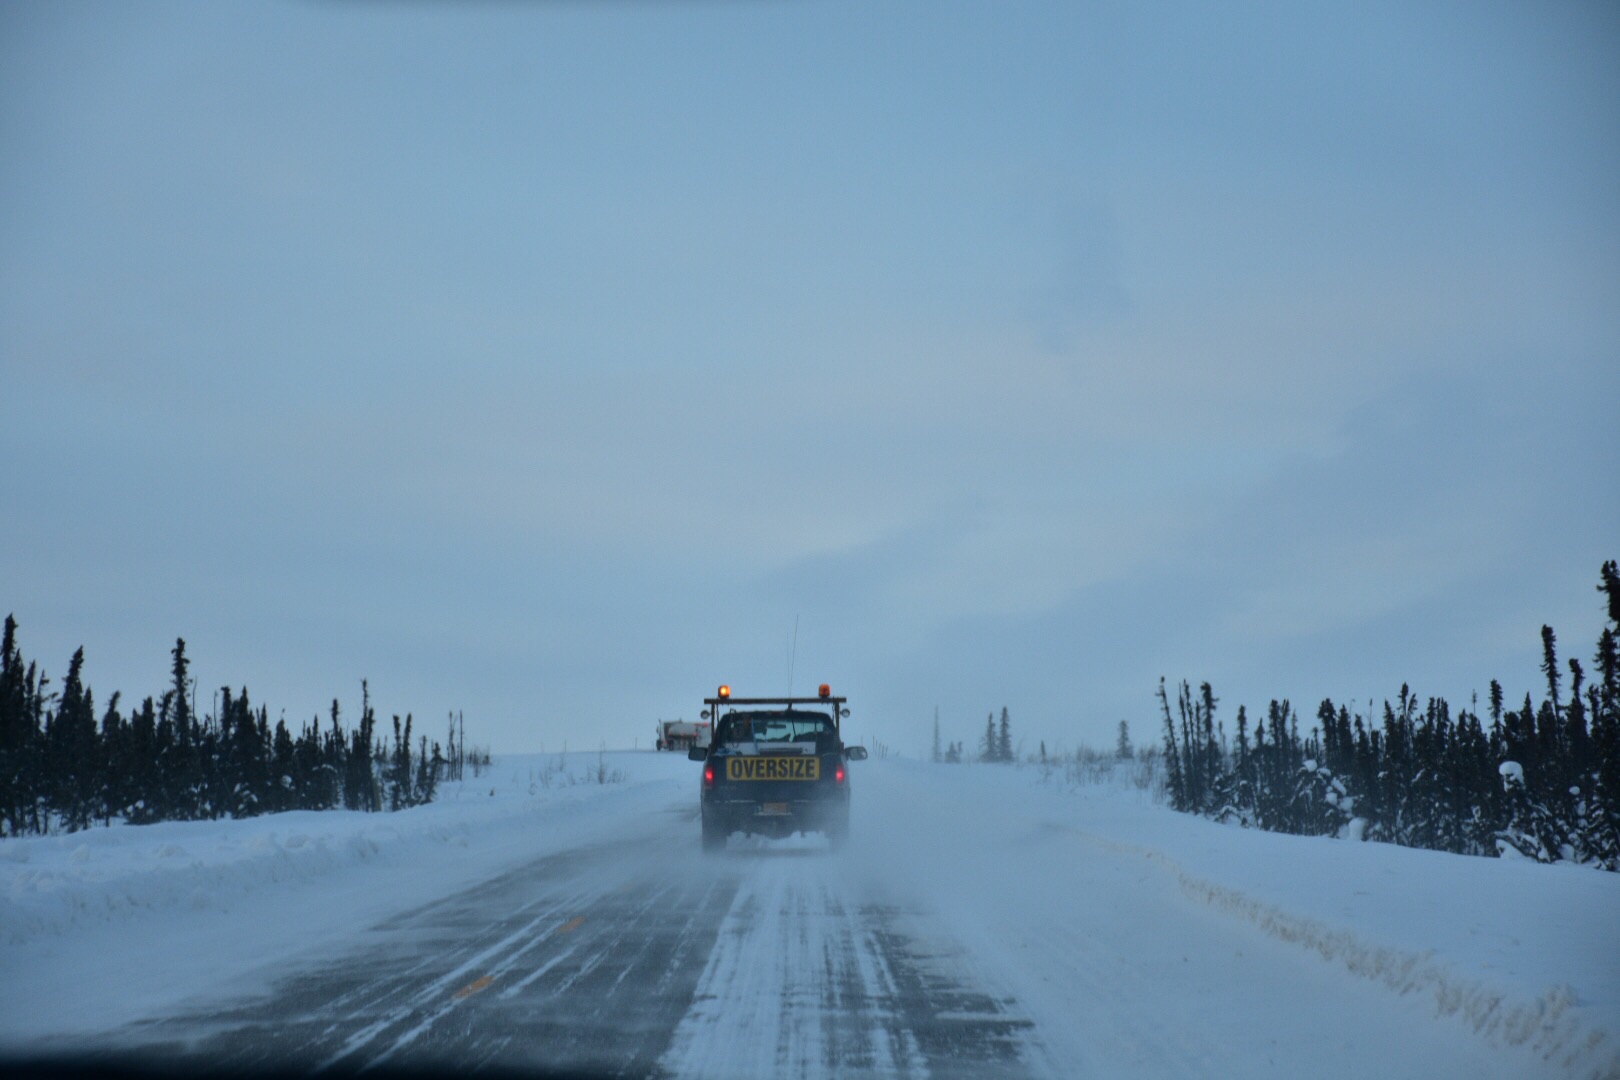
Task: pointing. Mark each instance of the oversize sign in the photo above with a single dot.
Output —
(773, 768)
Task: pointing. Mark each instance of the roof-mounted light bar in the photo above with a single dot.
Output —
(774, 701)
(824, 696)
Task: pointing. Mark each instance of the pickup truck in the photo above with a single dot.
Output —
(776, 766)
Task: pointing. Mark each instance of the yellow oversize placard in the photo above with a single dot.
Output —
(773, 768)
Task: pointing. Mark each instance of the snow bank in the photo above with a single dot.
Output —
(1544, 1022)
(1524, 955)
(55, 884)
(159, 910)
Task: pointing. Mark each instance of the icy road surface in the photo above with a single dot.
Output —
(980, 924)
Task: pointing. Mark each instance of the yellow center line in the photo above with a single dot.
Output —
(473, 987)
(483, 982)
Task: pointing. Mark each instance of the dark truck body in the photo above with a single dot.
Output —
(776, 766)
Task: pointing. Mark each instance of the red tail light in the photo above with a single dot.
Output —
(708, 775)
(838, 775)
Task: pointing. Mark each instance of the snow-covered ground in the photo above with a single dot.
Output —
(1125, 934)
(1521, 955)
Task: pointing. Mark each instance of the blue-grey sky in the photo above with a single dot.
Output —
(550, 361)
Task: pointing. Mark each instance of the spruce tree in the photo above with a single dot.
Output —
(285, 781)
(1549, 664)
(141, 806)
(181, 684)
(1578, 736)
(1211, 774)
(427, 775)
(1610, 585)
(181, 795)
(112, 762)
(72, 750)
(1605, 728)
(1607, 662)
(1175, 782)
(246, 767)
(13, 734)
(1242, 778)
(1192, 772)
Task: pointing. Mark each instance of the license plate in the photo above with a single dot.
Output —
(774, 768)
(773, 808)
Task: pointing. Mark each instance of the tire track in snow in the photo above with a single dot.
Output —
(808, 978)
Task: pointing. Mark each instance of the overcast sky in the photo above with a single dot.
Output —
(551, 361)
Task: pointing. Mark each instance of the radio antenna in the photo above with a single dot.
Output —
(793, 653)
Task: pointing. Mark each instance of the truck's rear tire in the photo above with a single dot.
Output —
(838, 830)
(714, 836)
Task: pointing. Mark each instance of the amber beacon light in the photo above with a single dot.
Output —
(824, 690)
(725, 691)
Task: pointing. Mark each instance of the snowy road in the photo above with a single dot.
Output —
(634, 956)
(974, 927)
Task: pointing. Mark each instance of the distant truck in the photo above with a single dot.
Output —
(680, 735)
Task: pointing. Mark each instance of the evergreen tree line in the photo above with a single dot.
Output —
(1542, 780)
(62, 768)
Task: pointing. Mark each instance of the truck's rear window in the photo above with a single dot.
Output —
(774, 727)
